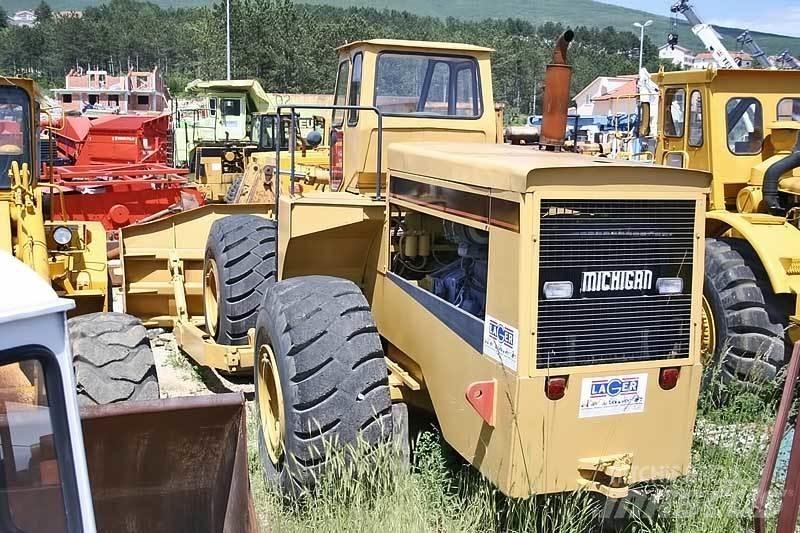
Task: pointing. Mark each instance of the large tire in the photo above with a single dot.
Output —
(331, 377)
(239, 268)
(749, 320)
(112, 359)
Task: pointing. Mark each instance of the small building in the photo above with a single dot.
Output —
(677, 55)
(623, 99)
(705, 59)
(22, 18)
(600, 86)
(133, 91)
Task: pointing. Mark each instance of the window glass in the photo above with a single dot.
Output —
(415, 84)
(789, 109)
(466, 97)
(66, 98)
(744, 120)
(674, 112)
(231, 106)
(696, 119)
(113, 99)
(340, 92)
(355, 90)
(93, 99)
(212, 106)
(14, 131)
(31, 487)
(143, 99)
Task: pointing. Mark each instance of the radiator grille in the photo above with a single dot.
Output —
(614, 326)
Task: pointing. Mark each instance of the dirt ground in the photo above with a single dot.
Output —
(178, 376)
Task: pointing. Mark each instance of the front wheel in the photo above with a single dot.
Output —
(744, 322)
(321, 379)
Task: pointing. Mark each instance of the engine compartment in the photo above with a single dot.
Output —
(443, 257)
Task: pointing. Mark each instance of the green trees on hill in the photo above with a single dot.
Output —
(290, 47)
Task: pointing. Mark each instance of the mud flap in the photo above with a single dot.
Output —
(178, 464)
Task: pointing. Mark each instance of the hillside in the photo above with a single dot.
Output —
(574, 13)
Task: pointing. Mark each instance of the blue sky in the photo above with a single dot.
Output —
(773, 16)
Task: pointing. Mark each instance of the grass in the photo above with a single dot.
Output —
(442, 494)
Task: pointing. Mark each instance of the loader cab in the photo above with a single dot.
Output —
(724, 121)
(16, 137)
(424, 92)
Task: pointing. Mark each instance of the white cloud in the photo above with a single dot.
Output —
(781, 20)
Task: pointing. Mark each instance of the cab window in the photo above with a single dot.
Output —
(789, 109)
(696, 120)
(340, 93)
(745, 126)
(674, 112)
(231, 106)
(32, 487)
(355, 90)
(427, 85)
(14, 131)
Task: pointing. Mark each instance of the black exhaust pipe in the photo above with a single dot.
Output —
(773, 176)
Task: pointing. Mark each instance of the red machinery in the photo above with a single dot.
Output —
(119, 173)
(121, 194)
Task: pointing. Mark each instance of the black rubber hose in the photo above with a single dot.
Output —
(771, 178)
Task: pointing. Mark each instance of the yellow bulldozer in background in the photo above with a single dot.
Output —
(113, 358)
(544, 307)
(742, 126)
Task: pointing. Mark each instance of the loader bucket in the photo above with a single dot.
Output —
(178, 464)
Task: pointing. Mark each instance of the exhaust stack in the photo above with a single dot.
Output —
(557, 78)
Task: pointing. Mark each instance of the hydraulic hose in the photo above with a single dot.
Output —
(773, 175)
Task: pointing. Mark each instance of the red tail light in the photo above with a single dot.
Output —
(555, 387)
(337, 159)
(668, 377)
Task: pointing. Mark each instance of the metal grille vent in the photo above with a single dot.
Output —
(577, 236)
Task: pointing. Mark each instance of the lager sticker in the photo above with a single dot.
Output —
(612, 395)
(501, 342)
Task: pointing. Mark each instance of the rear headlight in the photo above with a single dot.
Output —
(669, 285)
(556, 290)
(555, 387)
(668, 377)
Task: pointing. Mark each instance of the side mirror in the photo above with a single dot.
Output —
(644, 119)
(313, 139)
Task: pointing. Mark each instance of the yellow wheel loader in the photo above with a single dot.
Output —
(113, 359)
(544, 307)
(742, 126)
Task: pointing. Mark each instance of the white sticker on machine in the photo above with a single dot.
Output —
(501, 342)
(612, 395)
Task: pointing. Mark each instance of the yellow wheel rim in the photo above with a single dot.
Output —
(270, 403)
(708, 336)
(211, 296)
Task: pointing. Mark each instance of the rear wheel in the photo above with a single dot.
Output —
(744, 322)
(321, 379)
(239, 267)
(112, 359)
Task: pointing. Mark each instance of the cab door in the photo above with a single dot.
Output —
(673, 120)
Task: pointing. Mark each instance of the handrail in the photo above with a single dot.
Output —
(293, 142)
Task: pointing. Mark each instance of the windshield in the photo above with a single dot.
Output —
(423, 85)
(14, 132)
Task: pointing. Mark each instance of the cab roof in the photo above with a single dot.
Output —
(516, 168)
(712, 74)
(429, 45)
(25, 294)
